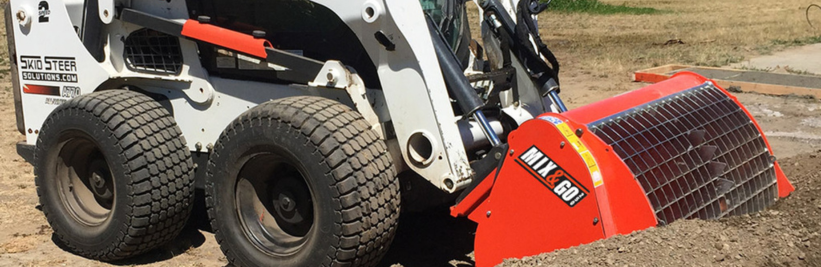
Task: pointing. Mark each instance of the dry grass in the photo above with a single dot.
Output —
(713, 32)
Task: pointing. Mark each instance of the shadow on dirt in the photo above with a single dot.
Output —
(432, 238)
(190, 237)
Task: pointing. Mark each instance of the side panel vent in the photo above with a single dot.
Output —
(153, 52)
(696, 154)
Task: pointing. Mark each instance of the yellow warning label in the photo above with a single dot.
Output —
(588, 158)
(595, 174)
(580, 148)
(565, 130)
(597, 181)
(578, 145)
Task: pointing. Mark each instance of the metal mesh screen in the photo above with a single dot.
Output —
(696, 154)
(153, 52)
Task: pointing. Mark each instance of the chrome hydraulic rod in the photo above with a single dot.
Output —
(486, 128)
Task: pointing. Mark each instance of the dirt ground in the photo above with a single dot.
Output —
(789, 234)
(786, 235)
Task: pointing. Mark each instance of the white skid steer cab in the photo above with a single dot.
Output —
(298, 119)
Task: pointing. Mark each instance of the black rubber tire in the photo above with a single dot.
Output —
(147, 165)
(345, 165)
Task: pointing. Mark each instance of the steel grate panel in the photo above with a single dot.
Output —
(151, 51)
(696, 154)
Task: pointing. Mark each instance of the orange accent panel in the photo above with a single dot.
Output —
(237, 41)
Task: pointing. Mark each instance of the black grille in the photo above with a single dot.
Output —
(153, 52)
(696, 154)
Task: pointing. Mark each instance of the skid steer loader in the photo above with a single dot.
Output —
(303, 122)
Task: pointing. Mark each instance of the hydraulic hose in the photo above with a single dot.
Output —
(458, 85)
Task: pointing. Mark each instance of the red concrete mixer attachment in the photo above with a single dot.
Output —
(680, 149)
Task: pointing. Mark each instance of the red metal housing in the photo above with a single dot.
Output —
(569, 180)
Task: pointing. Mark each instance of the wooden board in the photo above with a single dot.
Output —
(807, 86)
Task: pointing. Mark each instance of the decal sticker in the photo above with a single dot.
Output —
(580, 148)
(49, 77)
(67, 93)
(552, 176)
(41, 89)
(55, 101)
(43, 12)
(48, 69)
(550, 119)
(70, 91)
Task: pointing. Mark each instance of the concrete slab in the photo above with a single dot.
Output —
(772, 83)
(805, 58)
(806, 81)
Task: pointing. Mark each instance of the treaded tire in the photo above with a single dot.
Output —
(114, 175)
(345, 166)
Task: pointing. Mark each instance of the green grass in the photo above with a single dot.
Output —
(596, 7)
(798, 41)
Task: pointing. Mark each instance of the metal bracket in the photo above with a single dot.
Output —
(335, 75)
(106, 10)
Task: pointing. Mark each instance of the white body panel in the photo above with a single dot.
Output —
(412, 83)
(414, 100)
(37, 43)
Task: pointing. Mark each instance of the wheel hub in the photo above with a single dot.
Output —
(98, 184)
(85, 180)
(291, 203)
(275, 204)
(286, 203)
(99, 179)
(285, 210)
